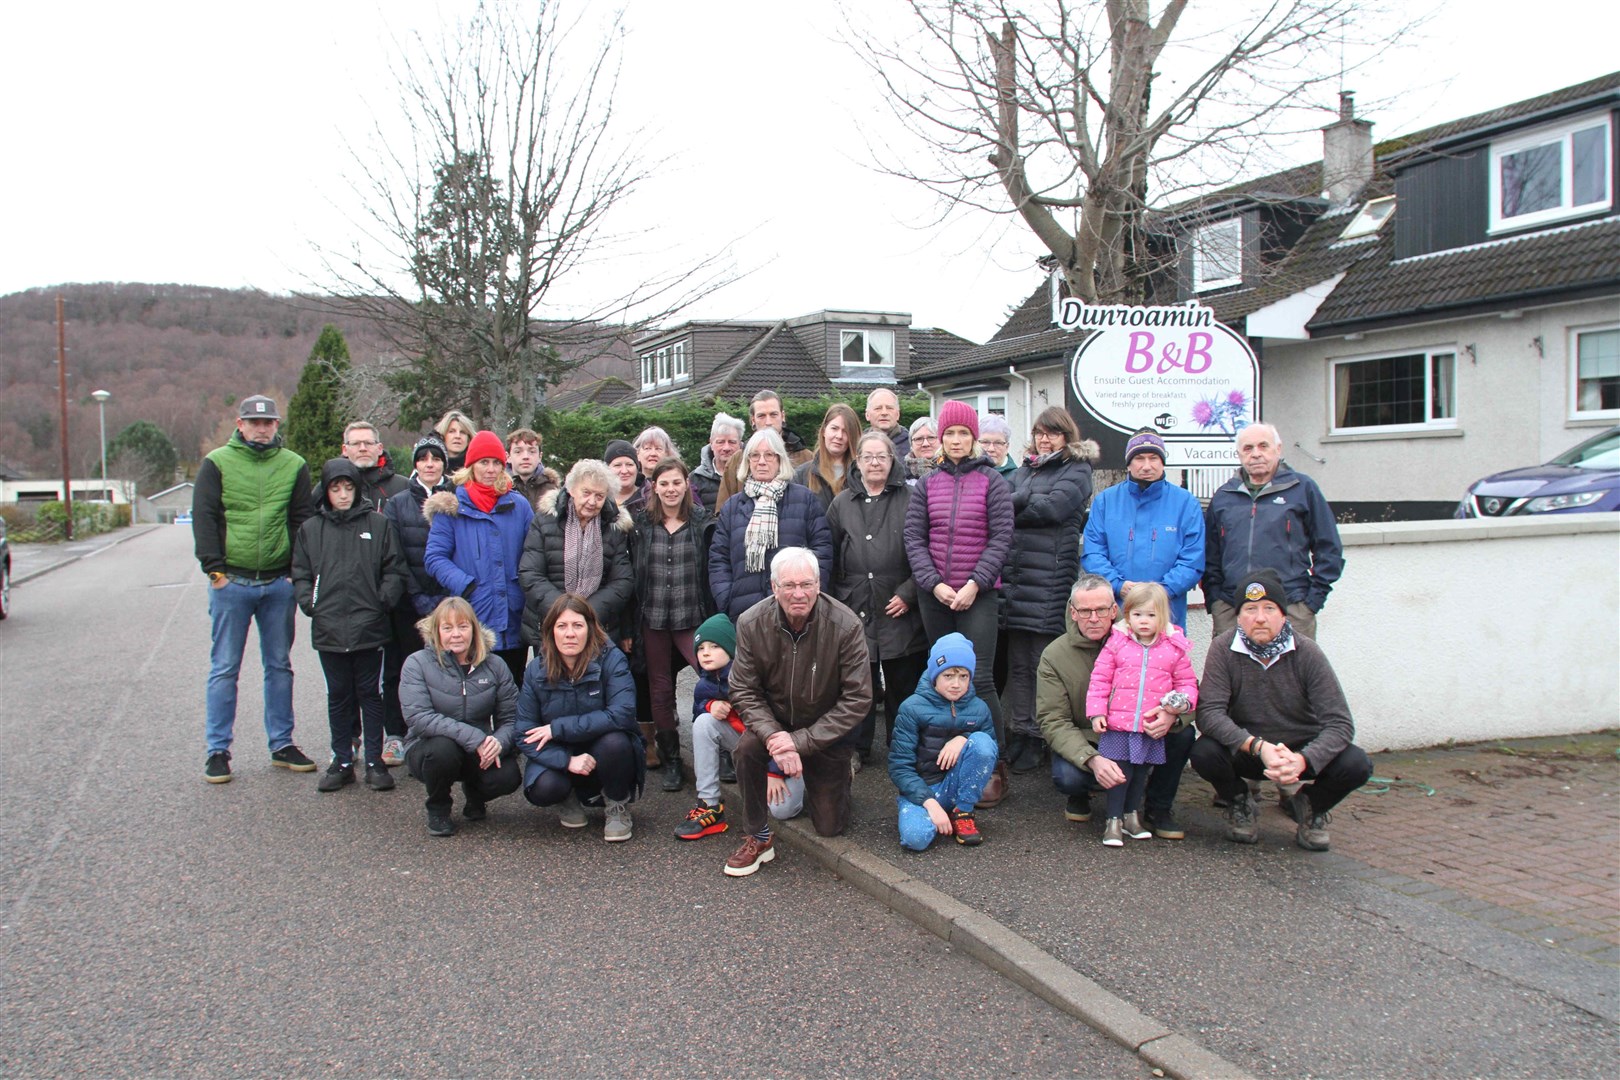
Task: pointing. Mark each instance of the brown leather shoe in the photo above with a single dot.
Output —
(750, 856)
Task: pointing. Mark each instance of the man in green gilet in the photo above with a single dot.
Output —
(250, 497)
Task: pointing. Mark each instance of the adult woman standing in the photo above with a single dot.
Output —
(1050, 492)
(578, 543)
(924, 456)
(872, 577)
(958, 534)
(460, 715)
(457, 430)
(770, 512)
(626, 492)
(833, 467)
(671, 560)
(475, 540)
(576, 722)
(995, 439)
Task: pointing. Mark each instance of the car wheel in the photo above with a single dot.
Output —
(5, 591)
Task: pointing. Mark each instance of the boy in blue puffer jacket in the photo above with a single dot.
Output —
(943, 749)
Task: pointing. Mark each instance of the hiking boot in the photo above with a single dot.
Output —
(570, 814)
(728, 768)
(1114, 832)
(753, 854)
(1312, 834)
(702, 820)
(1078, 808)
(618, 825)
(378, 778)
(393, 754)
(218, 768)
(966, 829)
(439, 823)
(290, 757)
(475, 810)
(1132, 825)
(337, 775)
(1240, 821)
(1163, 824)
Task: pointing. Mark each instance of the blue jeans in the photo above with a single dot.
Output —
(960, 790)
(232, 607)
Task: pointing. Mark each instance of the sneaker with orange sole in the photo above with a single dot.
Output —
(966, 829)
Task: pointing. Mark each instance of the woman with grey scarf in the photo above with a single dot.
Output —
(578, 543)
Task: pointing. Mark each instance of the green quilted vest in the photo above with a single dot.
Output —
(256, 488)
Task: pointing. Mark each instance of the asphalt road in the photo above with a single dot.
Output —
(153, 924)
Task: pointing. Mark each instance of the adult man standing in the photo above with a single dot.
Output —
(1269, 516)
(251, 495)
(801, 684)
(378, 482)
(725, 439)
(1146, 529)
(883, 413)
(1061, 680)
(766, 412)
(1270, 705)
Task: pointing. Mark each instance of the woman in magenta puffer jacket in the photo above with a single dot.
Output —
(958, 532)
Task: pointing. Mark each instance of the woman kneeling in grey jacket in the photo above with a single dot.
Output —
(460, 706)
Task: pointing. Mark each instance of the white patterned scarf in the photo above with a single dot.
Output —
(760, 536)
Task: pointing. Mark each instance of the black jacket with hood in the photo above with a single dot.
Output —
(348, 569)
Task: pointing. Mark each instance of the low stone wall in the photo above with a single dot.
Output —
(1474, 630)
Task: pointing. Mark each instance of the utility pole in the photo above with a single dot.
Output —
(61, 393)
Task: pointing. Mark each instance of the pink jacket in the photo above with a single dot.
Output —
(1130, 678)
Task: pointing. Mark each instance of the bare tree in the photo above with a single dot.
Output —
(1046, 109)
(514, 162)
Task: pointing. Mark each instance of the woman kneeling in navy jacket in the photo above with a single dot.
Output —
(577, 721)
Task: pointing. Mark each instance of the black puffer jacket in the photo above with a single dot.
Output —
(463, 704)
(348, 570)
(380, 483)
(404, 511)
(870, 566)
(540, 568)
(1050, 496)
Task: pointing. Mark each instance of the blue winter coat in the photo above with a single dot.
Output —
(475, 555)
(579, 712)
(711, 686)
(923, 725)
(801, 523)
(405, 511)
(1154, 533)
(1288, 526)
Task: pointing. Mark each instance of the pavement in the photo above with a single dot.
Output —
(1465, 921)
(29, 561)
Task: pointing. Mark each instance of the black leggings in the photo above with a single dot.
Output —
(1127, 797)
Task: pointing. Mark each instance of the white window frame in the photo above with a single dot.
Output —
(1369, 219)
(1575, 410)
(984, 402)
(866, 348)
(1431, 423)
(665, 366)
(649, 371)
(1562, 134)
(1201, 239)
(679, 369)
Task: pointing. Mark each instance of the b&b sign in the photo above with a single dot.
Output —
(1173, 369)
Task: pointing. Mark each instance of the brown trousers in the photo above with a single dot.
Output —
(826, 785)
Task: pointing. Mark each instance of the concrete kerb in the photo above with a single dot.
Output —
(1008, 953)
(130, 532)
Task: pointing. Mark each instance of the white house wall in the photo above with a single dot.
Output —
(1512, 404)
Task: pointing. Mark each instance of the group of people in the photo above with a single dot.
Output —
(800, 582)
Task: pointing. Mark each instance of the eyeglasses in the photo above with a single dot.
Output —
(874, 459)
(798, 586)
(992, 442)
(1092, 612)
(361, 444)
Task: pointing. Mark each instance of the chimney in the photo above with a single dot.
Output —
(1347, 153)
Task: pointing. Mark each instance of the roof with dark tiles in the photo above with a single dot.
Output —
(608, 391)
(930, 345)
(775, 360)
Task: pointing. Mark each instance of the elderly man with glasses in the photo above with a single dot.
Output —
(1061, 680)
(801, 686)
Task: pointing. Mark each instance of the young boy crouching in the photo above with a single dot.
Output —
(943, 749)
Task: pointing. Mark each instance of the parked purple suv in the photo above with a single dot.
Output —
(1584, 479)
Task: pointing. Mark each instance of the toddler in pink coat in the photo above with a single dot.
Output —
(1144, 674)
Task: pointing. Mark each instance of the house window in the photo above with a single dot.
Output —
(1596, 371)
(1218, 255)
(866, 348)
(1369, 219)
(1551, 174)
(677, 363)
(1411, 391)
(983, 404)
(649, 371)
(664, 367)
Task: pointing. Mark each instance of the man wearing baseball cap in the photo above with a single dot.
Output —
(1271, 706)
(251, 495)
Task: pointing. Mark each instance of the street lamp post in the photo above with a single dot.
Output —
(101, 397)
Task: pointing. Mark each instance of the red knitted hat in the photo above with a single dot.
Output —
(485, 444)
(958, 414)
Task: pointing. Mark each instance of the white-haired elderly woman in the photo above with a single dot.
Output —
(769, 513)
(995, 439)
(725, 440)
(579, 543)
(652, 446)
(924, 456)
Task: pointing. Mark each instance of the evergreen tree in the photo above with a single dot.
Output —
(319, 408)
(144, 453)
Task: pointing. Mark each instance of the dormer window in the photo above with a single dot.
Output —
(1551, 173)
(1369, 219)
(664, 367)
(1218, 255)
(866, 348)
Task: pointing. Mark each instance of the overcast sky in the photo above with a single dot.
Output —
(204, 143)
